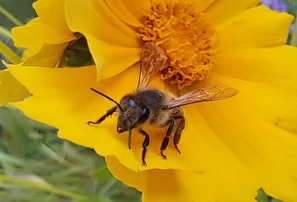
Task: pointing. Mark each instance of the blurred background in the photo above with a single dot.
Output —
(35, 164)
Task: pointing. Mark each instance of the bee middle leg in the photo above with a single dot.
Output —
(177, 134)
(166, 138)
(108, 113)
(145, 145)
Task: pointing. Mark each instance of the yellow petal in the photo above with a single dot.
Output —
(62, 98)
(98, 16)
(130, 178)
(202, 6)
(259, 126)
(52, 13)
(222, 10)
(275, 66)
(46, 31)
(119, 9)
(48, 56)
(202, 146)
(23, 37)
(254, 28)
(11, 90)
(137, 8)
(111, 59)
(38, 33)
(176, 186)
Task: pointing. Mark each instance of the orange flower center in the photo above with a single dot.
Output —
(188, 39)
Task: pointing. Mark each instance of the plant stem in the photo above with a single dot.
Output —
(47, 188)
(10, 17)
(54, 156)
(5, 33)
(9, 54)
(107, 187)
(11, 159)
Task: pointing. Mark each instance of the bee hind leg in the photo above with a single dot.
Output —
(145, 145)
(178, 132)
(166, 138)
(108, 113)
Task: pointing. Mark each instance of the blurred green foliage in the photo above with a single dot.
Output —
(292, 5)
(35, 163)
(21, 9)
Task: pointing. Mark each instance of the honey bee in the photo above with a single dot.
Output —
(159, 108)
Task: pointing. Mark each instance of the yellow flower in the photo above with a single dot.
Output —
(46, 36)
(229, 148)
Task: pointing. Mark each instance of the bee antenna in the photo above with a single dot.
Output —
(109, 98)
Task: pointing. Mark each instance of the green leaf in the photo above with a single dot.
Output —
(275, 200)
(262, 196)
(77, 54)
(103, 173)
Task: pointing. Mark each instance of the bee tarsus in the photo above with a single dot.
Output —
(163, 155)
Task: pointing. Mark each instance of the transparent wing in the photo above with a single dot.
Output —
(152, 60)
(208, 93)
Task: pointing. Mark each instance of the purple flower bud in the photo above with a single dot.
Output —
(274, 4)
(282, 7)
(277, 5)
(266, 3)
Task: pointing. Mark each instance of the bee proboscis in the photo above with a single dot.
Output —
(160, 108)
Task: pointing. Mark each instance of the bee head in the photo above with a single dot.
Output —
(134, 114)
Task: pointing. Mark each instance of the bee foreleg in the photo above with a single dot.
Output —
(108, 113)
(166, 138)
(145, 145)
(177, 133)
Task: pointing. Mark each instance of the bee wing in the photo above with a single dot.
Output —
(152, 59)
(208, 93)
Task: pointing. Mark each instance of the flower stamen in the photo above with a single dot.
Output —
(187, 38)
